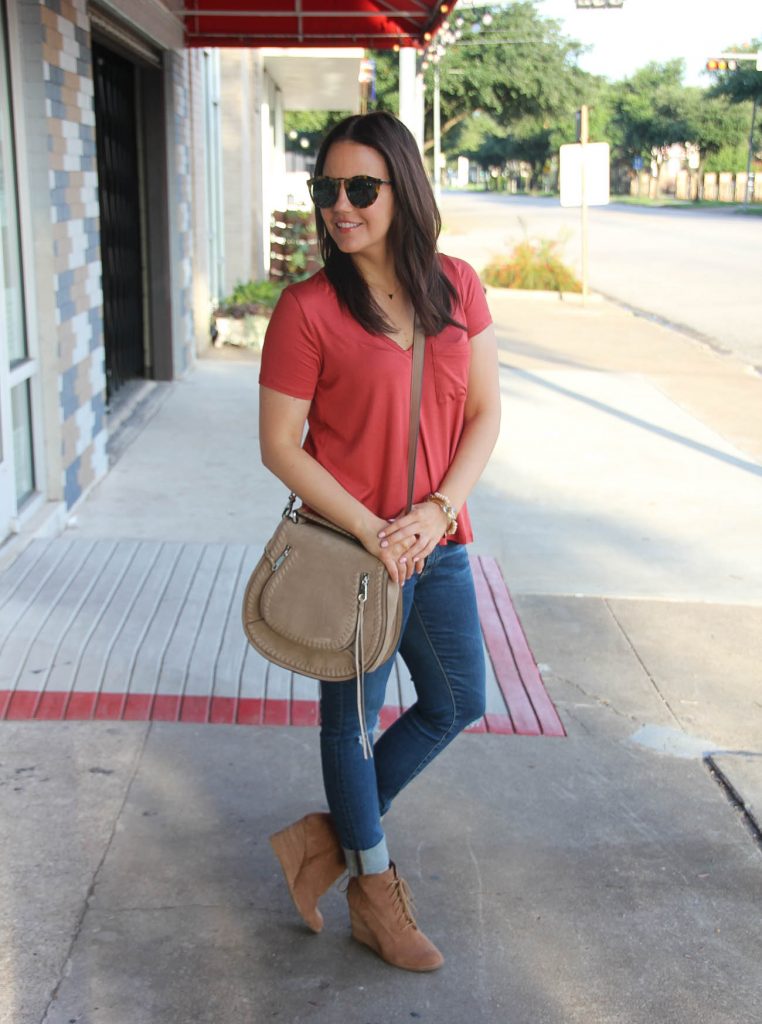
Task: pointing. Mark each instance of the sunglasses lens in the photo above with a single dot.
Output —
(325, 192)
(361, 192)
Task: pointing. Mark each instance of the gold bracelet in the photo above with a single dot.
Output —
(444, 503)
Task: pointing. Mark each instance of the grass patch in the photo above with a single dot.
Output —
(534, 266)
(684, 204)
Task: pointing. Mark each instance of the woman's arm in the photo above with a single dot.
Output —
(281, 427)
(482, 420)
(480, 432)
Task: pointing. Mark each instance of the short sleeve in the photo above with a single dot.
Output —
(473, 298)
(291, 357)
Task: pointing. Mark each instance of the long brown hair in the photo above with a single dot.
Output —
(413, 232)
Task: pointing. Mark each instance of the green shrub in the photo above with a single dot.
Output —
(254, 293)
(535, 266)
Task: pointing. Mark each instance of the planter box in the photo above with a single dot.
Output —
(246, 332)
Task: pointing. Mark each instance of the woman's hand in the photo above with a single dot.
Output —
(417, 533)
(395, 553)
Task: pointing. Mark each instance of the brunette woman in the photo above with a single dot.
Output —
(338, 357)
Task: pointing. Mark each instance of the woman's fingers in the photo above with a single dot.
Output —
(399, 534)
(391, 566)
(425, 520)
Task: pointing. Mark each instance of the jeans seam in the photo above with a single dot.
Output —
(339, 777)
(434, 749)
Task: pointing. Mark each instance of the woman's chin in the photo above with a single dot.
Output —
(346, 243)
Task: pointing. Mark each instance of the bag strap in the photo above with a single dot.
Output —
(416, 386)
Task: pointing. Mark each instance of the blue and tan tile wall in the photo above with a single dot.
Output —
(74, 211)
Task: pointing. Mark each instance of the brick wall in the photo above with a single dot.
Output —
(73, 181)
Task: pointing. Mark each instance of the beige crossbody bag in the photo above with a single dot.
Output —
(317, 602)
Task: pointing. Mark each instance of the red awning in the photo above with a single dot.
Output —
(373, 24)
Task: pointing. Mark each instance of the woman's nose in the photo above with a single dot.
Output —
(342, 200)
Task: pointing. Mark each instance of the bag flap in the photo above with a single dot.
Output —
(311, 598)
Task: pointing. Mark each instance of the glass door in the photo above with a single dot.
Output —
(17, 368)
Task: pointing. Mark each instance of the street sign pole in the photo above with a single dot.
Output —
(749, 191)
(584, 182)
(584, 138)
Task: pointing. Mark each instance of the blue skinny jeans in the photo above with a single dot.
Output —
(441, 644)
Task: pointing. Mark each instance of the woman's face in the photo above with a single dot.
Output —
(358, 231)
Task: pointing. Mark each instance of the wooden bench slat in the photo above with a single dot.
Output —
(517, 703)
(525, 663)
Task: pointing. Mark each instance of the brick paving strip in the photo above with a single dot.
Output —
(148, 630)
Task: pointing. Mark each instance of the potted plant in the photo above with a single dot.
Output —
(242, 317)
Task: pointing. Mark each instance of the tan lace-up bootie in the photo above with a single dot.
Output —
(310, 854)
(381, 912)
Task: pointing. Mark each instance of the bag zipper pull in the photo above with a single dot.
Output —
(362, 593)
(281, 558)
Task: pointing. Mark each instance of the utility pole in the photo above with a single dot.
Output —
(749, 176)
(584, 138)
(437, 138)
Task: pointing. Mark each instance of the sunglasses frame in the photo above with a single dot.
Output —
(367, 179)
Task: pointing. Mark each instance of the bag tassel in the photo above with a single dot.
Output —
(362, 597)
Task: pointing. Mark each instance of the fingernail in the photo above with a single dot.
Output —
(382, 534)
(403, 560)
(384, 543)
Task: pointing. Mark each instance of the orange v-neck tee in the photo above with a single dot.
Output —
(358, 385)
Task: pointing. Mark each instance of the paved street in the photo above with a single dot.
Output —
(702, 268)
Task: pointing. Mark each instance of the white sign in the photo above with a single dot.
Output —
(596, 174)
(462, 179)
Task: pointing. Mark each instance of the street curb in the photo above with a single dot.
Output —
(573, 298)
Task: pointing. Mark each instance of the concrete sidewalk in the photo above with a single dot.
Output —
(605, 877)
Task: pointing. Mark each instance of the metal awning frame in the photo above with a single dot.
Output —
(375, 24)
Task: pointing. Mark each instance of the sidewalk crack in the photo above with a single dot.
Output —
(643, 665)
(94, 881)
(600, 701)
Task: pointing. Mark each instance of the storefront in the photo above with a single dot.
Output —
(97, 257)
(139, 167)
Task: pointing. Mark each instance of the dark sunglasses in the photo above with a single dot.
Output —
(362, 191)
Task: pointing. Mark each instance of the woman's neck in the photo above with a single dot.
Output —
(378, 272)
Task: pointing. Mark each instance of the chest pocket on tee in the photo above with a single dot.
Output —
(451, 356)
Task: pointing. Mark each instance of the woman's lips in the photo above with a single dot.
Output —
(344, 226)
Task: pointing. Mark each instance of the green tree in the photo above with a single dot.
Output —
(311, 125)
(387, 81)
(745, 83)
(718, 127)
(533, 139)
(522, 66)
(649, 110)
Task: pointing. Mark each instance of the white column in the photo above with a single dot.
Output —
(420, 109)
(411, 94)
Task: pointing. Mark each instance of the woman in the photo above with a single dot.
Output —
(337, 356)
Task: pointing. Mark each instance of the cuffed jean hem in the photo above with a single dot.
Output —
(367, 862)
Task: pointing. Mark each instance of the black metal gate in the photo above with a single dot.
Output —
(119, 196)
